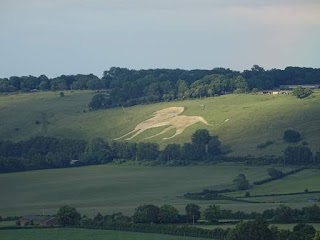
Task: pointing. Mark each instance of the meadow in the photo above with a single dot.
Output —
(112, 188)
(82, 234)
(242, 121)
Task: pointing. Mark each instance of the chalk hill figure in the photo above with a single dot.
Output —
(165, 117)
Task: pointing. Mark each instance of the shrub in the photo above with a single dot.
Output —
(301, 92)
(291, 136)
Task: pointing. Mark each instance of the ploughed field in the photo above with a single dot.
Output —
(242, 121)
(113, 188)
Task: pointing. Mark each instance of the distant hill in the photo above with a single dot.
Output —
(242, 121)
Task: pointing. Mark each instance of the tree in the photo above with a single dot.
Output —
(252, 230)
(299, 155)
(100, 101)
(301, 92)
(68, 216)
(193, 212)
(214, 146)
(201, 137)
(291, 136)
(171, 152)
(193, 152)
(168, 214)
(304, 230)
(274, 173)
(182, 89)
(147, 151)
(146, 214)
(212, 213)
(283, 214)
(311, 213)
(241, 182)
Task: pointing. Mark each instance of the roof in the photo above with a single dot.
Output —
(37, 218)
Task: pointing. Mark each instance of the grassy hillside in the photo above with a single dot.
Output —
(82, 234)
(241, 121)
(112, 188)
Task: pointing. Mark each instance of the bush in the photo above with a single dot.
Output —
(291, 136)
(274, 173)
(301, 92)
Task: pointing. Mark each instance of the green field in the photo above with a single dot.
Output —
(111, 188)
(253, 119)
(82, 234)
(306, 179)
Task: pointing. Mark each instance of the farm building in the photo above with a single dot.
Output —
(46, 221)
(291, 87)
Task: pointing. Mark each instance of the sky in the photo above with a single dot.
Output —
(55, 37)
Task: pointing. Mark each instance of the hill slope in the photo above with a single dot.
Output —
(241, 121)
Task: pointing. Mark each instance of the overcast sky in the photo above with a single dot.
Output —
(55, 37)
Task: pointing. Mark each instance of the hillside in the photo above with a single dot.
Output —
(242, 121)
(112, 188)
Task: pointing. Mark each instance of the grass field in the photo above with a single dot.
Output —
(307, 179)
(82, 234)
(253, 119)
(112, 188)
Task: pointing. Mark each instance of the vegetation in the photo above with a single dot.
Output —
(252, 230)
(298, 155)
(65, 118)
(68, 216)
(150, 216)
(130, 87)
(48, 152)
(301, 92)
(241, 182)
(291, 136)
(83, 234)
(111, 188)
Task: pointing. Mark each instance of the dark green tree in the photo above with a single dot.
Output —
(193, 152)
(68, 216)
(283, 214)
(299, 155)
(147, 151)
(214, 146)
(291, 136)
(146, 214)
(304, 231)
(274, 173)
(252, 230)
(301, 92)
(100, 101)
(241, 182)
(171, 152)
(168, 214)
(212, 213)
(201, 137)
(192, 212)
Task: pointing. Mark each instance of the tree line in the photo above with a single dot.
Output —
(48, 152)
(130, 87)
(166, 219)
